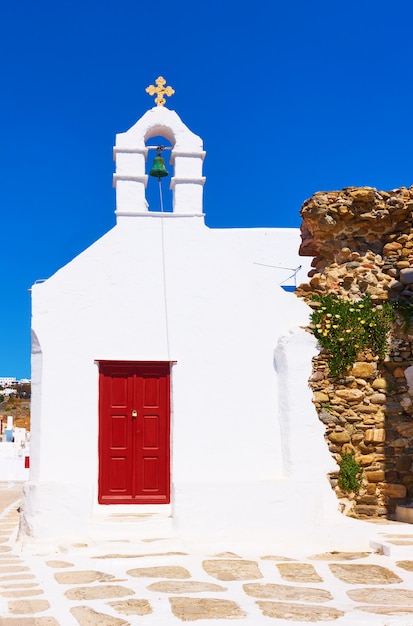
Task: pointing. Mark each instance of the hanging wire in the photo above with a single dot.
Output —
(160, 194)
(295, 271)
(165, 299)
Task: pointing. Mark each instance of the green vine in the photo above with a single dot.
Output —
(346, 327)
(349, 478)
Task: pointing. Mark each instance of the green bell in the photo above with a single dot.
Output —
(158, 168)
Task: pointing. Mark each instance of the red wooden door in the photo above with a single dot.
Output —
(134, 422)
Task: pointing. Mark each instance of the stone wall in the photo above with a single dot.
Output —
(362, 243)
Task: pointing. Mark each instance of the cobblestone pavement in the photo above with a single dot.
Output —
(88, 585)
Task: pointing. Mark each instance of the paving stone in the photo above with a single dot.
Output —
(29, 621)
(355, 574)
(385, 610)
(339, 556)
(28, 606)
(5, 549)
(20, 586)
(82, 576)
(232, 569)
(21, 593)
(88, 617)
(8, 524)
(407, 565)
(228, 555)
(287, 592)
(299, 572)
(191, 586)
(132, 607)
(98, 592)
(15, 561)
(372, 595)
(139, 556)
(9, 496)
(17, 577)
(273, 557)
(191, 609)
(13, 568)
(59, 564)
(161, 571)
(299, 612)
(6, 555)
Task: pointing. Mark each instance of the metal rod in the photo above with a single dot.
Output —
(156, 147)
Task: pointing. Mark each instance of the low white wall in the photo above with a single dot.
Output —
(12, 462)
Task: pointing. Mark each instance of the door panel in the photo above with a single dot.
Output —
(134, 433)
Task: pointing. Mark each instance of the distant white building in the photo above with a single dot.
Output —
(7, 380)
(8, 391)
(191, 402)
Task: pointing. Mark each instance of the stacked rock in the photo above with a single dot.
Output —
(362, 243)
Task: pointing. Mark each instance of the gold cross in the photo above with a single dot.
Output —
(160, 91)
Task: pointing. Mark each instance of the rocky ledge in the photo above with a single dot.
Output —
(362, 243)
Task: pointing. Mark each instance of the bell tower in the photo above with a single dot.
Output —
(131, 153)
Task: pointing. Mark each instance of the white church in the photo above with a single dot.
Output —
(193, 417)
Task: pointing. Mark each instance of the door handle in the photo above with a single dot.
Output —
(134, 413)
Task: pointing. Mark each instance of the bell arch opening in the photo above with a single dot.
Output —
(158, 193)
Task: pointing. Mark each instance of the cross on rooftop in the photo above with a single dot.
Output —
(160, 91)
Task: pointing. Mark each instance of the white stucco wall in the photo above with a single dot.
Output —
(168, 288)
(12, 462)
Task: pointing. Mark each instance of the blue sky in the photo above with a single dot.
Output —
(335, 76)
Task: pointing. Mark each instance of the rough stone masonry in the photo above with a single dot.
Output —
(362, 243)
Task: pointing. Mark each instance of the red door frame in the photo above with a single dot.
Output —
(126, 475)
